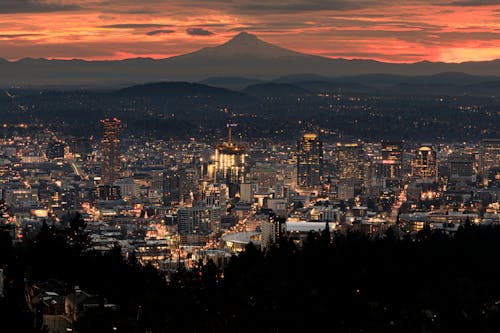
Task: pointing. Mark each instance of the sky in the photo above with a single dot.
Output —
(384, 30)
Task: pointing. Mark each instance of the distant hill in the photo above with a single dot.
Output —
(195, 92)
(245, 55)
(228, 82)
(334, 86)
(272, 89)
(491, 88)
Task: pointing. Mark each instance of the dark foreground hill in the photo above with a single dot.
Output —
(428, 282)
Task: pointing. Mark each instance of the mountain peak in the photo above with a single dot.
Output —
(246, 40)
(245, 45)
(244, 36)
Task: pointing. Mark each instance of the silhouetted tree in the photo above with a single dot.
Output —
(76, 233)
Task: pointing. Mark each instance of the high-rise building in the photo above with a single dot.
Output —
(110, 149)
(461, 167)
(425, 164)
(173, 186)
(272, 229)
(351, 161)
(392, 159)
(309, 160)
(489, 155)
(230, 163)
(196, 224)
(108, 192)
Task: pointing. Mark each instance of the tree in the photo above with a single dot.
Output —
(76, 234)
(325, 234)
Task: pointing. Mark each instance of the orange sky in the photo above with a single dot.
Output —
(413, 30)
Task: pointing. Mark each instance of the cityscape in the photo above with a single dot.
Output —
(245, 186)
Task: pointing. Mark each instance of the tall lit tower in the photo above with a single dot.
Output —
(110, 149)
(392, 159)
(230, 161)
(309, 160)
(489, 155)
(425, 164)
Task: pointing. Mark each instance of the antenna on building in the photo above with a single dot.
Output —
(229, 129)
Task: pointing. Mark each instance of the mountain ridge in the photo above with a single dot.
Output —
(245, 55)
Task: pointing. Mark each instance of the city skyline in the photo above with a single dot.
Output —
(249, 166)
(448, 31)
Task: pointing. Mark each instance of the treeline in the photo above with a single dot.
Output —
(431, 282)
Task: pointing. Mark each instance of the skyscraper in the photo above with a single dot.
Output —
(351, 161)
(196, 224)
(392, 159)
(110, 149)
(425, 164)
(489, 155)
(309, 160)
(230, 163)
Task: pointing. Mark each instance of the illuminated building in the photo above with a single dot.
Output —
(196, 224)
(173, 186)
(247, 192)
(351, 161)
(392, 160)
(425, 164)
(347, 189)
(108, 192)
(489, 155)
(309, 160)
(230, 163)
(493, 178)
(461, 167)
(272, 230)
(110, 150)
(128, 187)
(215, 194)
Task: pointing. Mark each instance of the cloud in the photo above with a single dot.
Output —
(159, 32)
(474, 3)
(198, 32)
(286, 6)
(135, 26)
(299, 6)
(34, 6)
(15, 36)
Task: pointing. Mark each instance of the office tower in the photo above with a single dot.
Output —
(392, 160)
(351, 161)
(173, 186)
(272, 229)
(461, 167)
(108, 192)
(230, 163)
(196, 224)
(309, 160)
(425, 164)
(215, 194)
(489, 155)
(247, 191)
(110, 150)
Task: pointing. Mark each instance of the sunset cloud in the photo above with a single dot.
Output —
(159, 32)
(406, 31)
(34, 6)
(198, 32)
(14, 36)
(135, 26)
